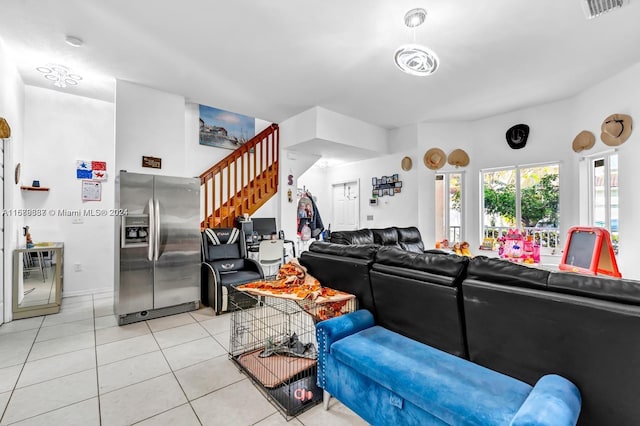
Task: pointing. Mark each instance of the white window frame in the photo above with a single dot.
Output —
(517, 168)
(447, 212)
(606, 156)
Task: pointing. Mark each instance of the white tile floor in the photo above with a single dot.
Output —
(78, 367)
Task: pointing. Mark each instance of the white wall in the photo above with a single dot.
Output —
(199, 158)
(59, 129)
(153, 123)
(553, 127)
(484, 140)
(618, 94)
(149, 122)
(12, 109)
(296, 164)
(335, 127)
(399, 210)
(319, 124)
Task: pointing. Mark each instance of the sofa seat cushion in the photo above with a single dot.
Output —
(451, 388)
(231, 274)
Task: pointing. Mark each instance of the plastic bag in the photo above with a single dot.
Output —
(305, 235)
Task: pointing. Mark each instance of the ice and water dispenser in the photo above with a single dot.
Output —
(135, 231)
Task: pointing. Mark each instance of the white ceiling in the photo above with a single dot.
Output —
(274, 59)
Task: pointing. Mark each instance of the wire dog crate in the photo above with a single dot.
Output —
(274, 343)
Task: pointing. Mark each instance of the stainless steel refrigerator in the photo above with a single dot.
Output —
(158, 246)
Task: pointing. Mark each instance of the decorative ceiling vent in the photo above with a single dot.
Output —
(595, 8)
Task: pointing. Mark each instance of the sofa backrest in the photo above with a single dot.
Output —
(500, 271)
(223, 243)
(418, 296)
(527, 331)
(361, 236)
(343, 267)
(386, 237)
(598, 287)
(410, 239)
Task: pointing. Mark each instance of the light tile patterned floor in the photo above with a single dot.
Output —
(78, 367)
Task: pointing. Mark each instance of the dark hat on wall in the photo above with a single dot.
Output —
(435, 158)
(583, 141)
(616, 129)
(517, 136)
(5, 130)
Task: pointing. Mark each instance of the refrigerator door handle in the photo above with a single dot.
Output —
(156, 211)
(152, 232)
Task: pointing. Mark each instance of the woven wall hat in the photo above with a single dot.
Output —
(583, 141)
(616, 129)
(517, 136)
(5, 130)
(458, 158)
(406, 164)
(435, 158)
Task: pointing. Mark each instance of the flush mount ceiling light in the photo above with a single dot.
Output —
(74, 41)
(415, 17)
(59, 75)
(413, 58)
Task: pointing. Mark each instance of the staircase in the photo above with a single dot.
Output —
(242, 181)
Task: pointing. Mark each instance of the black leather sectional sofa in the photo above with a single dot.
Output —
(521, 321)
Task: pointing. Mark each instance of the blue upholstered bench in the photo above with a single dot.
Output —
(389, 379)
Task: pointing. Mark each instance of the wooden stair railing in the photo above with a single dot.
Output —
(242, 181)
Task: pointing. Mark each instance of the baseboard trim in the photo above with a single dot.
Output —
(86, 292)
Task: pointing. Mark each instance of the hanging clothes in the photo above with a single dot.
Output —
(305, 212)
(315, 223)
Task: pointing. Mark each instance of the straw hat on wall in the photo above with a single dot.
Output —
(583, 141)
(5, 130)
(434, 158)
(406, 164)
(459, 158)
(616, 129)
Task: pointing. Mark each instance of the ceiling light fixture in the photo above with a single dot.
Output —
(74, 41)
(413, 58)
(59, 75)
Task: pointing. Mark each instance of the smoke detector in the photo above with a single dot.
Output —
(595, 8)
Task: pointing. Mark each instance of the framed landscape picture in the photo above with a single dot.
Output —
(224, 129)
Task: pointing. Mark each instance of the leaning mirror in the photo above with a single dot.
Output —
(37, 280)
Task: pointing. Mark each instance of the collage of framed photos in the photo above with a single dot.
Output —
(386, 185)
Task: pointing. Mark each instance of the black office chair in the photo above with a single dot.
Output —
(225, 265)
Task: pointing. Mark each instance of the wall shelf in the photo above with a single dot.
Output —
(34, 188)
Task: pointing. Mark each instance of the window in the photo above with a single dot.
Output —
(448, 207)
(603, 189)
(522, 197)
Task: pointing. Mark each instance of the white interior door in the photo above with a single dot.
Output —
(346, 206)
